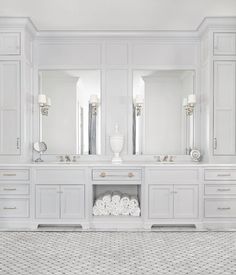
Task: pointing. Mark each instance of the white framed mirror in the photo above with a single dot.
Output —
(163, 112)
(71, 124)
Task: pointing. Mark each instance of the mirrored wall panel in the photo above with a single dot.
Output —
(163, 111)
(70, 111)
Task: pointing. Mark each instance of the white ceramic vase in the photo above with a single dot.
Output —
(117, 143)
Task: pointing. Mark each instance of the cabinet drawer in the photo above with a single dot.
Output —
(220, 174)
(220, 208)
(61, 176)
(14, 189)
(13, 175)
(225, 189)
(156, 176)
(14, 208)
(116, 175)
(9, 43)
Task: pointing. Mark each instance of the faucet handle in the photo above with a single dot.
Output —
(158, 158)
(75, 158)
(61, 158)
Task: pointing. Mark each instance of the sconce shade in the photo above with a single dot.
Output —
(49, 102)
(139, 99)
(185, 102)
(192, 99)
(94, 99)
(42, 99)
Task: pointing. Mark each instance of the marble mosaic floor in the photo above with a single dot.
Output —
(113, 253)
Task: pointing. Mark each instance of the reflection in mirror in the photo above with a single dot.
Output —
(163, 112)
(73, 123)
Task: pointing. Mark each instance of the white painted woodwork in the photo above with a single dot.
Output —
(225, 43)
(224, 107)
(220, 174)
(72, 202)
(220, 208)
(172, 175)
(160, 201)
(10, 108)
(9, 43)
(220, 189)
(186, 201)
(47, 202)
(14, 174)
(116, 94)
(69, 54)
(117, 54)
(14, 189)
(60, 176)
(14, 208)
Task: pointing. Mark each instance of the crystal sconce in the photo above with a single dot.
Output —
(44, 104)
(189, 104)
(94, 101)
(138, 104)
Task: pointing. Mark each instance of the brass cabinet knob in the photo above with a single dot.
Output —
(130, 175)
(103, 175)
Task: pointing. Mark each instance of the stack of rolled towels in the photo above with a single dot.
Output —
(115, 204)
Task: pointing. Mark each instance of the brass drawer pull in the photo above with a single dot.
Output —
(223, 175)
(223, 190)
(9, 189)
(130, 175)
(9, 208)
(103, 175)
(9, 175)
(224, 208)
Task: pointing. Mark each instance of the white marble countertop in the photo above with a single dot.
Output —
(123, 164)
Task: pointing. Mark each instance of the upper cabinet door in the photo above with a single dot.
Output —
(9, 108)
(72, 201)
(224, 43)
(9, 43)
(224, 107)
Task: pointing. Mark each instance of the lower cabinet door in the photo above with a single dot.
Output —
(185, 201)
(72, 201)
(160, 201)
(47, 201)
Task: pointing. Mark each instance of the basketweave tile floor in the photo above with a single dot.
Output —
(113, 253)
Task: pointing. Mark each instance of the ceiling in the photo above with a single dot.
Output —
(117, 15)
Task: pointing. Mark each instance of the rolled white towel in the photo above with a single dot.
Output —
(135, 212)
(100, 203)
(96, 211)
(107, 197)
(105, 212)
(133, 203)
(124, 201)
(125, 211)
(116, 195)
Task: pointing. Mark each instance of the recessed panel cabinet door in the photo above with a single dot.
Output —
(224, 107)
(72, 201)
(225, 43)
(9, 108)
(9, 43)
(185, 201)
(160, 201)
(47, 202)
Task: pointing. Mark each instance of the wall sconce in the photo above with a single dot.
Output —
(138, 103)
(189, 104)
(44, 104)
(94, 101)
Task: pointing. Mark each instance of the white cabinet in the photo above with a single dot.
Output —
(9, 43)
(224, 107)
(72, 202)
(224, 43)
(173, 201)
(160, 201)
(47, 202)
(59, 201)
(9, 108)
(185, 201)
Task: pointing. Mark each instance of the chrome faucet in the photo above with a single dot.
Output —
(165, 158)
(67, 158)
